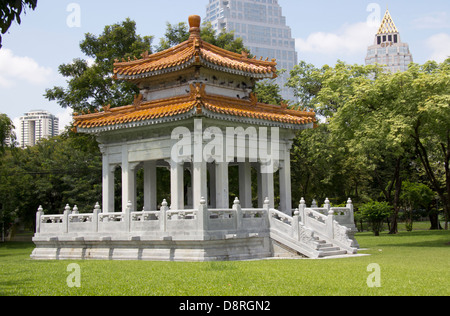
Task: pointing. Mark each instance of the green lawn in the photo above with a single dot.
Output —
(416, 263)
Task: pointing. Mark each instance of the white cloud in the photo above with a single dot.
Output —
(350, 39)
(14, 69)
(65, 118)
(440, 47)
(434, 20)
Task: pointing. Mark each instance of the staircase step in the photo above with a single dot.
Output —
(333, 253)
(328, 249)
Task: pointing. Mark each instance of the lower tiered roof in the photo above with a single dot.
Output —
(196, 103)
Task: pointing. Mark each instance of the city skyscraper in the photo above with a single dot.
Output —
(388, 49)
(36, 125)
(262, 27)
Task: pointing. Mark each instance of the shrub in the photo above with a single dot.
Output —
(376, 213)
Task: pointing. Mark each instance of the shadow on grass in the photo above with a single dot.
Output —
(14, 246)
(430, 238)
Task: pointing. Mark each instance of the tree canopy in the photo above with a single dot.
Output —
(388, 128)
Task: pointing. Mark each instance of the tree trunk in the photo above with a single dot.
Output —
(434, 220)
(444, 193)
(398, 189)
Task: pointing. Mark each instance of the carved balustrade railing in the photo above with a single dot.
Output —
(165, 220)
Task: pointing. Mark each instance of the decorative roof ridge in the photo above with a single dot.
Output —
(253, 103)
(157, 55)
(240, 57)
(107, 111)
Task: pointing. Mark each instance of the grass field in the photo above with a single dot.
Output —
(415, 263)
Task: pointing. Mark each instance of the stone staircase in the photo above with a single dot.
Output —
(313, 234)
(329, 250)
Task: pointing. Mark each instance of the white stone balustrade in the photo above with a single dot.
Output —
(155, 223)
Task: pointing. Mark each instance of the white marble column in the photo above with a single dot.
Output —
(199, 167)
(267, 188)
(107, 183)
(199, 188)
(128, 180)
(245, 184)
(150, 198)
(222, 189)
(177, 185)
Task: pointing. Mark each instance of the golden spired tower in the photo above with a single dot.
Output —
(388, 49)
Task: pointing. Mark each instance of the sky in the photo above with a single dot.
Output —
(325, 31)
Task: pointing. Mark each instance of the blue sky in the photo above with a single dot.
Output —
(325, 31)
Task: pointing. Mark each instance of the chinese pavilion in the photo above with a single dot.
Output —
(195, 114)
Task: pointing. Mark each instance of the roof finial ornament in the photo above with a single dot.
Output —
(194, 24)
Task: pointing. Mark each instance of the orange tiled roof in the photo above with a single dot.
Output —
(194, 51)
(195, 103)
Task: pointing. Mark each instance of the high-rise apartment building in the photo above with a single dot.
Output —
(36, 125)
(262, 27)
(388, 50)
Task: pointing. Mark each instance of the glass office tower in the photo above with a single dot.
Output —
(262, 27)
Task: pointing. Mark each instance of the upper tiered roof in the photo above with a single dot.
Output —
(194, 52)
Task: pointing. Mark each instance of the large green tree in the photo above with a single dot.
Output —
(403, 116)
(90, 86)
(57, 171)
(381, 128)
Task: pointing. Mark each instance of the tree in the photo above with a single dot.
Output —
(10, 11)
(306, 82)
(396, 117)
(430, 126)
(6, 131)
(415, 196)
(62, 170)
(267, 91)
(90, 87)
(376, 213)
(325, 160)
